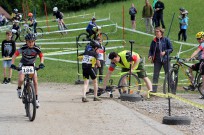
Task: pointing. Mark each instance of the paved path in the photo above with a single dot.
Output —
(63, 113)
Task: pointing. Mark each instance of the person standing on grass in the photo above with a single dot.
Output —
(154, 15)
(147, 14)
(133, 12)
(159, 7)
(183, 26)
(8, 48)
(89, 60)
(159, 48)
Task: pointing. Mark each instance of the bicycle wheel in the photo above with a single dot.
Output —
(39, 32)
(173, 76)
(125, 85)
(104, 38)
(200, 84)
(81, 38)
(22, 35)
(30, 101)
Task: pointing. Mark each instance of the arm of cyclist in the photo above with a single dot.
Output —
(194, 53)
(136, 61)
(107, 77)
(41, 66)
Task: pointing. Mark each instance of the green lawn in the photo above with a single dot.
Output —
(58, 71)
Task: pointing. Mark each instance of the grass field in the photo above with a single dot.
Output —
(57, 70)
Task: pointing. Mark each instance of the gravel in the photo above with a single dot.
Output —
(157, 108)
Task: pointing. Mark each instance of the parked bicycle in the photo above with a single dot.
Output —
(28, 92)
(84, 37)
(173, 77)
(26, 30)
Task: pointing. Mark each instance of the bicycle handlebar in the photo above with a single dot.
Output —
(20, 68)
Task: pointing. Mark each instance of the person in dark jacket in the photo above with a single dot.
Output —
(159, 7)
(159, 48)
(133, 12)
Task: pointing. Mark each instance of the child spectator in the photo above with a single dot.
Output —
(133, 12)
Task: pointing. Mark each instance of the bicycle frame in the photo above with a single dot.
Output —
(179, 63)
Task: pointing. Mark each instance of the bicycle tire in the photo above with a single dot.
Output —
(39, 32)
(30, 101)
(22, 35)
(135, 83)
(104, 38)
(173, 75)
(200, 84)
(81, 38)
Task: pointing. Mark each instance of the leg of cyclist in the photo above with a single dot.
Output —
(62, 21)
(90, 33)
(20, 82)
(94, 33)
(35, 81)
(34, 27)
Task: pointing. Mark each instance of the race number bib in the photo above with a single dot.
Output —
(28, 70)
(85, 59)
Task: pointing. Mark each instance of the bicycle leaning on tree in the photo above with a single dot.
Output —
(174, 77)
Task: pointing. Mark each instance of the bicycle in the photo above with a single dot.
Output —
(26, 30)
(173, 76)
(61, 27)
(28, 92)
(83, 37)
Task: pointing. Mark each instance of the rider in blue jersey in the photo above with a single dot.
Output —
(90, 27)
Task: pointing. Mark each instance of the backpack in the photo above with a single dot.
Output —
(132, 11)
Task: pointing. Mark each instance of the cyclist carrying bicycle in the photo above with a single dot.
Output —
(15, 15)
(59, 16)
(200, 65)
(29, 53)
(33, 23)
(123, 60)
(90, 27)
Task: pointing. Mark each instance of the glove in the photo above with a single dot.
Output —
(13, 66)
(41, 66)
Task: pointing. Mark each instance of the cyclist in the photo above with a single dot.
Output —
(15, 29)
(15, 15)
(200, 65)
(33, 23)
(59, 15)
(89, 60)
(29, 53)
(123, 60)
(8, 47)
(90, 26)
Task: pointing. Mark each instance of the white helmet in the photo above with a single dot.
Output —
(55, 9)
(15, 10)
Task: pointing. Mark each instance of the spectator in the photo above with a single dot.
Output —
(159, 7)
(154, 15)
(183, 26)
(3, 20)
(8, 47)
(133, 12)
(159, 48)
(147, 14)
(123, 60)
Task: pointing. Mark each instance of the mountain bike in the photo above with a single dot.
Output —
(173, 76)
(26, 30)
(83, 37)
(28, 93)
(61, 27)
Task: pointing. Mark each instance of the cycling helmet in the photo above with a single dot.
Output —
(55, 9)
(182, 9)
(30, 37)
(15, 10)
(93, 18)
(30, 14)
(200, 34)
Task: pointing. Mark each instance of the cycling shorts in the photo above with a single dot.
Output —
(198, 66)
(89, 72)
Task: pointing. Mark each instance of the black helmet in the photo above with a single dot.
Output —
(95, 43)
(30, 37)
(182, 9)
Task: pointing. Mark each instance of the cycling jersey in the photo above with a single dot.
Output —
(201, 53)
(32, 19)
(89, 59)
(8, 48)
(91, 25)
(101, 51)
(29, 55)
(16, 27)
(58, 15)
